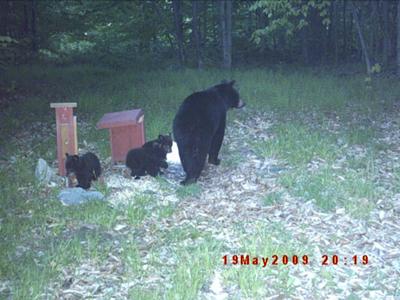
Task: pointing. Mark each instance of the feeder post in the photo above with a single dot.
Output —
(67, 140)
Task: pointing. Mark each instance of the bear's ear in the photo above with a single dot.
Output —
(160, 137)
(66, 155)
(232, 82)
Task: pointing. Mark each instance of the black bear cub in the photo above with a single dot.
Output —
(85, 168)
(199, 127)
(150, 158)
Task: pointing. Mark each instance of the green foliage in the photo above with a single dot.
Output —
(11, 51)
(122, 33)
(288, 16)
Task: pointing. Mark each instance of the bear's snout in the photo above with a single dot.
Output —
(240, 104)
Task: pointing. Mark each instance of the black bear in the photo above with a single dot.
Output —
(150, 157)
(199, 127)
(85, 168)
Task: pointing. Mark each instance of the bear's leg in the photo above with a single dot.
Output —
(83, 181)
(153, 170)
(97, 171)
(216, 144)
(182, 155)
(94, 175)
(195, 161)
(138, 172)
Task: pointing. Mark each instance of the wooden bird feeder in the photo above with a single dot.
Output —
(126, 131)
(67, 140)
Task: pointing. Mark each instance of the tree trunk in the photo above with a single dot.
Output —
(225, 14)
(249, 23)
(304, 45)
(228, 12)
(386, 37)
(176, 5)
(4, 10)
(331, 41)
(34, 37)
(361, 37)
(160, 16)
(205, 34)
(335, 32)
(222, 25)
(398, 38)
(344, 32)
(196, 34)
(374, 30)
(25, 25)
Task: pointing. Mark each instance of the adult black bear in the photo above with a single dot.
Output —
(86, 168)
(149, 158)
(199, 127)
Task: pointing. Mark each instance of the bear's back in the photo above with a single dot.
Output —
(199, 106)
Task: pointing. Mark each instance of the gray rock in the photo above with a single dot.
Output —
(43, 172)
(77, 195)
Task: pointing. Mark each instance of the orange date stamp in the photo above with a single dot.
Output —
(275, 260)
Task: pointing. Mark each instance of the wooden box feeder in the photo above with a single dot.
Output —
(126, 131)
(67, 140)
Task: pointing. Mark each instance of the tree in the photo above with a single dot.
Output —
(225, 18)
(33, 26)
(386, 37)
(196, 34)
(176, 4)
(4, 12)
(344, 31)
(398, 38)
(289, 20)
(361, 37)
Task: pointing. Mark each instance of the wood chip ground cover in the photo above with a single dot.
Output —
(159, 239)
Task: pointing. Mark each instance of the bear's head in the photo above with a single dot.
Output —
(72, 164)
(165, 142)
(230, 95)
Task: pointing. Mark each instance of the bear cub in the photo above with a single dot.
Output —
(150, 158)
(199, 127)
(85, 168)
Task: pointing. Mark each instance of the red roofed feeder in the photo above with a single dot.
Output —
(126, 131)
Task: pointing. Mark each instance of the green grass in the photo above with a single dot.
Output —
(298, 144)
(194, 266)
(266, 241)
(359, 136)
(329, 188)
(272, 198)
(193, 190)
(138, 210)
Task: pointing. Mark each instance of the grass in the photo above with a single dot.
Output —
(359, 136)
(40, 236)
(194, 266)
(272, 198)
(298, 144)
(266, 241)
(193, 190)
(330, 189)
